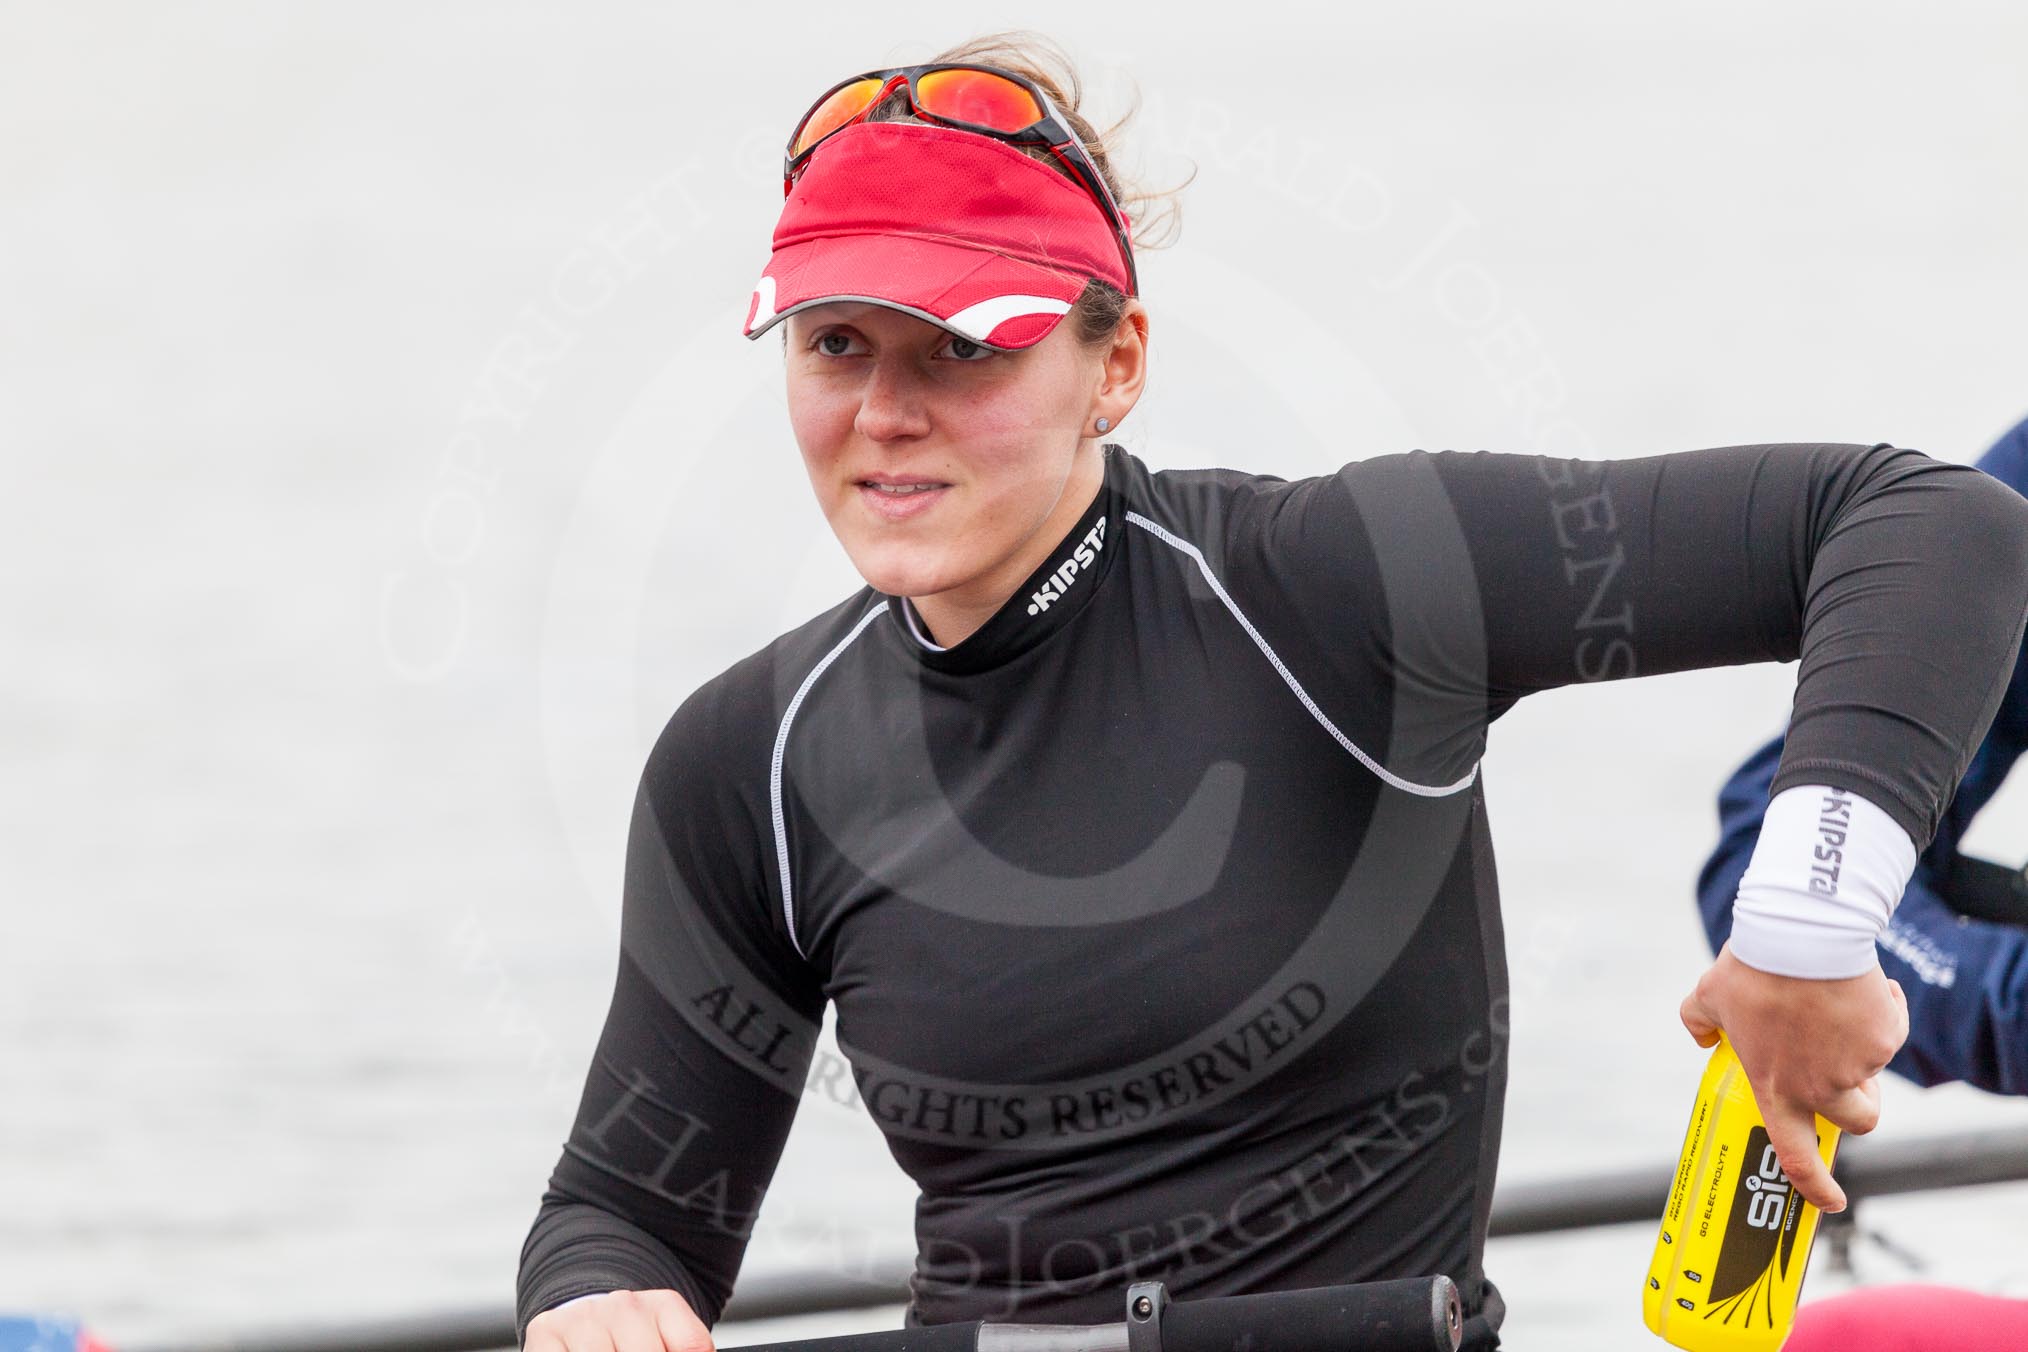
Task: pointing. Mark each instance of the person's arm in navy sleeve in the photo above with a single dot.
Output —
(1967, 987)
(2007, 458)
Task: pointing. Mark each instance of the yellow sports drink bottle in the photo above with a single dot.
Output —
(1735, 1235)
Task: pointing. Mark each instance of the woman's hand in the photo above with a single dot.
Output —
(1807, 1047)
(620, 1321)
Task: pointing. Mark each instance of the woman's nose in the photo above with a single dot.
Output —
(892, 403)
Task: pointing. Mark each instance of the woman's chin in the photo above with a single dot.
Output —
(912, 570)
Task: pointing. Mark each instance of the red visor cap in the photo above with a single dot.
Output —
(947, 225)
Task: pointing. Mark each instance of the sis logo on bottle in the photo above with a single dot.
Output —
(1760, 1238)
(1735, 1234)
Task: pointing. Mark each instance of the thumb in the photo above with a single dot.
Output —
(1698, 1018)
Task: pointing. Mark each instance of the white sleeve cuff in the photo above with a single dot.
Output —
(1825, 877)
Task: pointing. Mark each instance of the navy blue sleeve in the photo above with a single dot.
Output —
(2007, 458)
(1967, 988)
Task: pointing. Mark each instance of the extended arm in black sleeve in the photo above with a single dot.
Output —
(706, 1044)
(1899, 581)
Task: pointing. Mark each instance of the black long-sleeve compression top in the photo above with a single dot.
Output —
(1160, 913)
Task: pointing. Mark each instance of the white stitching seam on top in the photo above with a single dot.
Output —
(908, 613)
(1288, 677)
(775, 772)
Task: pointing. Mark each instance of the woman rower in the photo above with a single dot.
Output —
(1132, 820)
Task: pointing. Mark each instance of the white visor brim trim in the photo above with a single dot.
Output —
(973, 322)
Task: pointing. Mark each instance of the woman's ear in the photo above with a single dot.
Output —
(1123, 370)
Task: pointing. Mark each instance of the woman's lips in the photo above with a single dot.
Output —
(900, 499)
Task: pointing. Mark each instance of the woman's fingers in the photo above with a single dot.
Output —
(631, 1323)
(681, 1329)
(588, 1338)
(550, 1331)
(1792, 1131)
(563, 1328)
(1857, 1110)
(620, 1321)
(1809, 1047)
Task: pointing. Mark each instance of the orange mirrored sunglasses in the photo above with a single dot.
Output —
(983, 99)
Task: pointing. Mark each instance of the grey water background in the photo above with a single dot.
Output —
(382, 465)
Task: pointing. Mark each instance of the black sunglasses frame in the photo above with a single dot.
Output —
(1051, 132)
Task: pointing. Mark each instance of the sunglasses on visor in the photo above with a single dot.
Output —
(981, 99)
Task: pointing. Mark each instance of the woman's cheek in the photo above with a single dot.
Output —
(820, 415)
(1005, 418)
